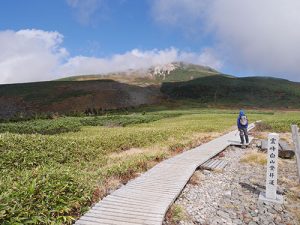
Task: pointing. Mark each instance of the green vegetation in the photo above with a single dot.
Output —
(74, 124)
(176, 214)
(280, 122)
(231, 91)
(54, 126)
(51, 179)
(45, 92)
(124, 120)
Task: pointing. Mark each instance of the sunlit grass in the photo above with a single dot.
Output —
(255, 158)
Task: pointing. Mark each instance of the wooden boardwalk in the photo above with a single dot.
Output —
(146, 199)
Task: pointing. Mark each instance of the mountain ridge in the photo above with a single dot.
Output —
(153, 74)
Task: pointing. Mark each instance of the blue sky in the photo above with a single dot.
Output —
(51, 39)
(118, 27)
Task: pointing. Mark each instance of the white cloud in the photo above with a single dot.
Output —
(185, 14)
(136, 59)
(164, 11)
(206, 58)
(29, 55)
(35, 55)
(85, 10)
(253, 35)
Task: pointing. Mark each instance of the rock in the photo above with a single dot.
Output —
(253, 213)
(271, 210)
(277, 207)
(221, 154)
(223, 214)
(246, 219)
(237, 221)
(252, 223)
(227, 193)
(206, 172)
(286, 154)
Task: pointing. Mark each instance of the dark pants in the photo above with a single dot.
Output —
(244, 132)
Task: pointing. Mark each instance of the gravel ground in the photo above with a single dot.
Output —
(231, 196)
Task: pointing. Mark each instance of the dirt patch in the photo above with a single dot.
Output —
(173, 149)
(196, 178)
(136, 151)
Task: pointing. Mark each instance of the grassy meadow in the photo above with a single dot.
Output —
(52, 170)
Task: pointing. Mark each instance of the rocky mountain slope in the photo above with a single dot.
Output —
(177, 71)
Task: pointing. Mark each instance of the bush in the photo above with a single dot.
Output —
(123, 120)
(54, 126)
(262, 126)
(42, 196)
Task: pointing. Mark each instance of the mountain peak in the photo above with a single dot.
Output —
(168, 70)
(174, 71)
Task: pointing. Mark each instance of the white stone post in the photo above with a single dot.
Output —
(272, 164)
(296, 140)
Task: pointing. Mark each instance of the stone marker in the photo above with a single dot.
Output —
(296, 140)
(272, 164)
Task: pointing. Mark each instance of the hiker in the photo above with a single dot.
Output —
(242, 123)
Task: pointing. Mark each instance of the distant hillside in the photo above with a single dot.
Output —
(97, 93)
(71, 97)
(249, 91)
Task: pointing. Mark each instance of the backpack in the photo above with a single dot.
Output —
(243, 120)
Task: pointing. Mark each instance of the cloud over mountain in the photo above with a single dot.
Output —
(136, 59)
(35, 55)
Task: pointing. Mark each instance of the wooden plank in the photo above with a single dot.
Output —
(126, 211)
(237, 142)
(296, 141)
(222, 164)
(128, 206)
(212, 161)
(117, 221)
(172, 187)
(122, 217)
(158, 183)
(214, 164)
(133, 200)
(166, 190)
(132, 192)
(205, 164)
(127, 214)
(83, 222)
(145, 197)
(148, 196)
